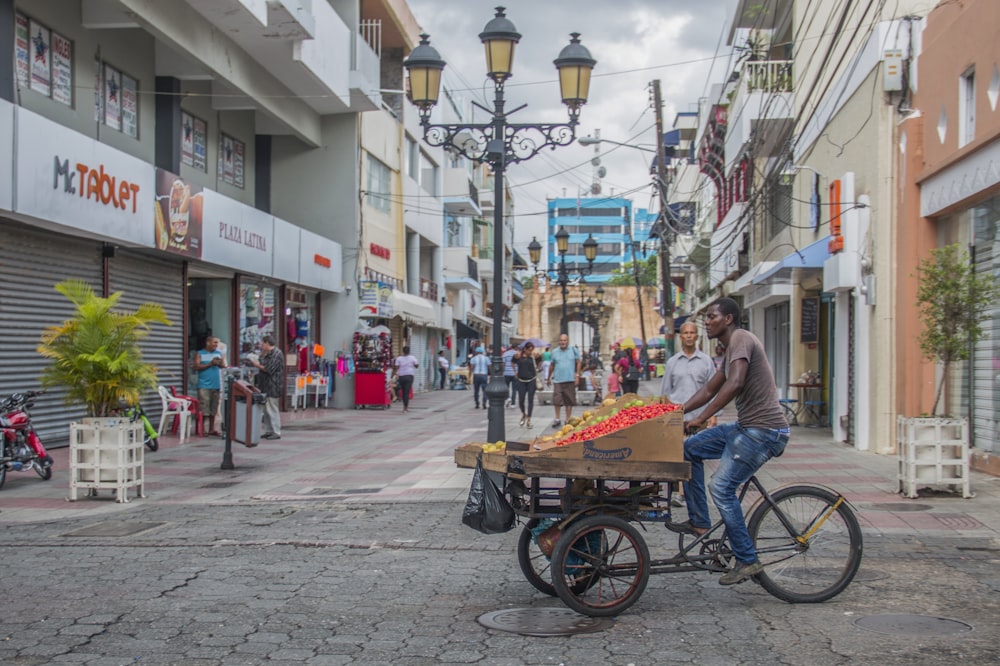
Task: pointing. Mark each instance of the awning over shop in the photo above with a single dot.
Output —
(465, 332)
(475, 317)
(811, 256)
(413, 309)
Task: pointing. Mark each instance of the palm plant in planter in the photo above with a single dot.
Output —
(952, 299)
(96, 354)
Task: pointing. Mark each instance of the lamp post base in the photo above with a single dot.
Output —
(496, 394)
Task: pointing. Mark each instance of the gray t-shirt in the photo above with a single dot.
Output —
(757, 402)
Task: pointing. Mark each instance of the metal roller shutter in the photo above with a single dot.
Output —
(145, 279)
(32, 261)
(418, 348)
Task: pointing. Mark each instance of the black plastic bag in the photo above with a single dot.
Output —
(487, 510)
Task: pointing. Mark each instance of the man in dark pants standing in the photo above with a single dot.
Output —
(271, 381)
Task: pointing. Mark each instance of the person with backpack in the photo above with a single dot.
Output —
(628, 368)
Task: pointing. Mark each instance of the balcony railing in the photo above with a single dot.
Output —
(773, 76)
(428, 289)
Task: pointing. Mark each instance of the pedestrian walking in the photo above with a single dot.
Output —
(443, 367)
(208, 362)
(563, 375)
(403, 369)
(526, 373)
(271, 381)
(684, 374)
(629, 371)
(479, 367)
(509, 375)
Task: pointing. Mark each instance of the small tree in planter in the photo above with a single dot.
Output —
(96, 354)
(952, 300)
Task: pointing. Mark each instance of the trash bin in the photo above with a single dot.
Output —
(247, 424)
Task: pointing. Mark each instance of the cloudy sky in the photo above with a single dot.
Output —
(682, 43)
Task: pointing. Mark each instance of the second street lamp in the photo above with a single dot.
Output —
(499, 143)
(562, 274)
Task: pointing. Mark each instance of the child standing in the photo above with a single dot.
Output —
(614, 385)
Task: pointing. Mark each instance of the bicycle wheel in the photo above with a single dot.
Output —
(534, 565)
(600, 566)
(820, 559)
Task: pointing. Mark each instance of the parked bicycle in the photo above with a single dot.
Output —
(150, 435)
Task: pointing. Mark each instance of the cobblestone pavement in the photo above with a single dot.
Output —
(341, 544)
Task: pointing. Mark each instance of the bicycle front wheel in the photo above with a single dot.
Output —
(809, 542)
(600, 566)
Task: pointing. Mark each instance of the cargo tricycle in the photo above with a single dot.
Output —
(585, 539)
(591, 507)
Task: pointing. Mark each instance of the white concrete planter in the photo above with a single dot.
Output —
(106, 453)
(932, 451)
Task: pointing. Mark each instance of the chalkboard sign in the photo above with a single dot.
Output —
(810, 320)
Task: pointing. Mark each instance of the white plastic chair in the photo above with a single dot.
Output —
(299, 393)
(178, 407)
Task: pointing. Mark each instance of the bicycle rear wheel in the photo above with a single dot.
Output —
(821, 557)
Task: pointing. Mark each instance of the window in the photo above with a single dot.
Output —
(412, 159)
(43, 60)
(428, 174)
(967, 107)
(194, 139)
(379, 185)
(780, 207)
(116, 103)
(232, 156)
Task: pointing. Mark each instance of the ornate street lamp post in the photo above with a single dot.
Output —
(499, 143)
(562, 274)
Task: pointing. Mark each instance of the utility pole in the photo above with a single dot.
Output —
(666, 233)
(643, 356)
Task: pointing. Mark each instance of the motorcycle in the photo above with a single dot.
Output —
(20, 447)
(134, 413)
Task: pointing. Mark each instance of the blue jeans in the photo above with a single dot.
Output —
(479, 383)
(740, 452)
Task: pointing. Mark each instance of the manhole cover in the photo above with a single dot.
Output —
(898, 506)
(113, 528)
(913, 625)
(543, 622)
(221, 484)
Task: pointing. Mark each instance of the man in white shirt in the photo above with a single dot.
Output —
(443, 366)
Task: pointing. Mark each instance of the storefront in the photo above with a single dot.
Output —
(978, 383)
(88, 211)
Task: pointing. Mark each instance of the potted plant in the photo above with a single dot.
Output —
(97, 357)
(952, 300)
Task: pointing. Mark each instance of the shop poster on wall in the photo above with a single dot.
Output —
(62, 69)
(130, 108)
(21, 50)
(112, 98)
(178, 215)
(41, 59)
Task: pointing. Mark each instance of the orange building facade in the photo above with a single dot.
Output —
(949, 191)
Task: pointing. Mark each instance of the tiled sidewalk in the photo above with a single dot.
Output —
(375, 455)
